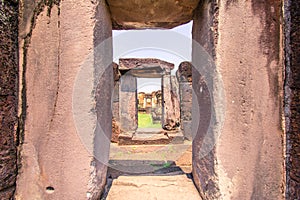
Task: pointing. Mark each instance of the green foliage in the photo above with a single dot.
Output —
(167, 164)
(145, 121)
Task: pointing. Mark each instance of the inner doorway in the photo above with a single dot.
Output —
(149, 100)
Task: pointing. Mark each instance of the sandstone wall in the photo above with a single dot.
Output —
(292, 96)
(60, 80)
(8, 97)
(244, 39)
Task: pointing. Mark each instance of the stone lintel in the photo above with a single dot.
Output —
(143, 63)
(141, 14)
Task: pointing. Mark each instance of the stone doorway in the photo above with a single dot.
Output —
(163, 151)
(149, 99)
(163, 105)
(233, 33)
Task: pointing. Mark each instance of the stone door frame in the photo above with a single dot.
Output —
(138, 68)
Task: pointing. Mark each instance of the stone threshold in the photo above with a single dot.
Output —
(151, 136)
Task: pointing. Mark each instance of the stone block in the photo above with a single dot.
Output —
(186, 127)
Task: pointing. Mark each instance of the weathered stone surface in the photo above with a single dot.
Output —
(175, 98)
(8, 97)
(115, 131)
(186, 92)
(292, 97)
(115, 101)
(186, 127)
(145, 67)
(171, 114)
(128, 105)
(60, 46)
(186, 113)
(252, 134)
(184, 76)
(254, 100)
(59, 43)
(150, 14)
(104, 83)
(184, 72)
(144, 63)
(115, 108)
(117, 74)
(153, 187)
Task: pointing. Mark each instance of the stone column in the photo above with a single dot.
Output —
(170, 104)
(128, 103)
(166, 102)
(184, 76)
(175, 100)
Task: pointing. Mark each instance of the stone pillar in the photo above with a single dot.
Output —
(128, 103)
(175, 99)
(166, 103)
(9, 138)
(115, 106)
(170, 104)
(184, 76)
(243, 37)
(68, 84)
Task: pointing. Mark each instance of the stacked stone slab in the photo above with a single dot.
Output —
(184, 76)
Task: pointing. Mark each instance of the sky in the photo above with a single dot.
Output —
(169, 55)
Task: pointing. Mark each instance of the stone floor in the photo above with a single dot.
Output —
(154, 172)
(153, 188)
(148, 157)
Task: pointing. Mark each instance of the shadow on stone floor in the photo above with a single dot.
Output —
(142, 168)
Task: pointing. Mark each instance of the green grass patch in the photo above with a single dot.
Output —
(145, 121)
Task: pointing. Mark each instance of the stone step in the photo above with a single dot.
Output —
(142, 137)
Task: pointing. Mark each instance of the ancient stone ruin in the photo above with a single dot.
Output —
(125, 108)
(61, 95)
